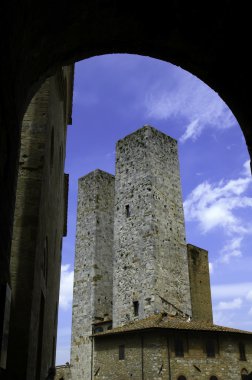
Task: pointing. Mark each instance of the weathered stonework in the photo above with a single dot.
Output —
(38, 230)
(199, 283)
(92, 298)
(63, 372)
(151, 355)
(150, 255)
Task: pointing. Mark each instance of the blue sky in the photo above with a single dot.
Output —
(115, 95)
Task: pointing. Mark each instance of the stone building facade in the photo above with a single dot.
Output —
(162, 347)
(131, 243)
(39, 225)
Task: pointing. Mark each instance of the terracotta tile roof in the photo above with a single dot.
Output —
(164, 321)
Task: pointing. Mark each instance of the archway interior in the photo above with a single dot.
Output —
(115, 95)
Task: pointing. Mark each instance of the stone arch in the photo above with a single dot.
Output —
(181, 377)
(202, 41)
(244, 374)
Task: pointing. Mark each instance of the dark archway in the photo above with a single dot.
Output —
(39, 37)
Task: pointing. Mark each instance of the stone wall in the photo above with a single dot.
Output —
(151, 356)
(150, 255)
(199, 283)
(63, 372)
(38, 230)
(92, 294)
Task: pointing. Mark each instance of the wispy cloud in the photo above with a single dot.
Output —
(246, 169)
(211, 267)
(249, 295)
(231, 249)
(192, 100)
(234, 290)
(228, 300)
(236, 303)
(66, 287)
(216, 206)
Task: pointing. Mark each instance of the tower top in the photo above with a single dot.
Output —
(149, 131)
(95, 173)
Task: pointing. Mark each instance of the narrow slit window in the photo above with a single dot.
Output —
(127, 209)
(179, 347)
(242, 351)
(210, 349)
(136, 308)
(121, 352)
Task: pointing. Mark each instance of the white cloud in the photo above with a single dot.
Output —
(213, 205)
(223, 318)
(231, 249)
(228, 291)
(250, 311)
(66, 287)
(246, 169)
(211, 267)
(249, 295)
(216, 206)
(191, 99)
(193, 131)
(236, 303)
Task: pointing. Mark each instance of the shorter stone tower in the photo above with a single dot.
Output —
(92, 294)
(199, 283)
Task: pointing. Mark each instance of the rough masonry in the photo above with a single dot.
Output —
(150, 254)
(92, 299)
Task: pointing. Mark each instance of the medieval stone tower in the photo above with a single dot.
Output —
(92, 296)
(131, 258)
(150, 255)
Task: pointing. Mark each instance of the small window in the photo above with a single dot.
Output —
(210, 349)
(181, 377)
(127, 211)
(179, 347)
(121, 352)
(98, 329)
(109, 327)
(213, 378)
(136, 308)
(242, 351)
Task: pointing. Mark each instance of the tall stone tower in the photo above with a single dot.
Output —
(92, 295)
(150, 254)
